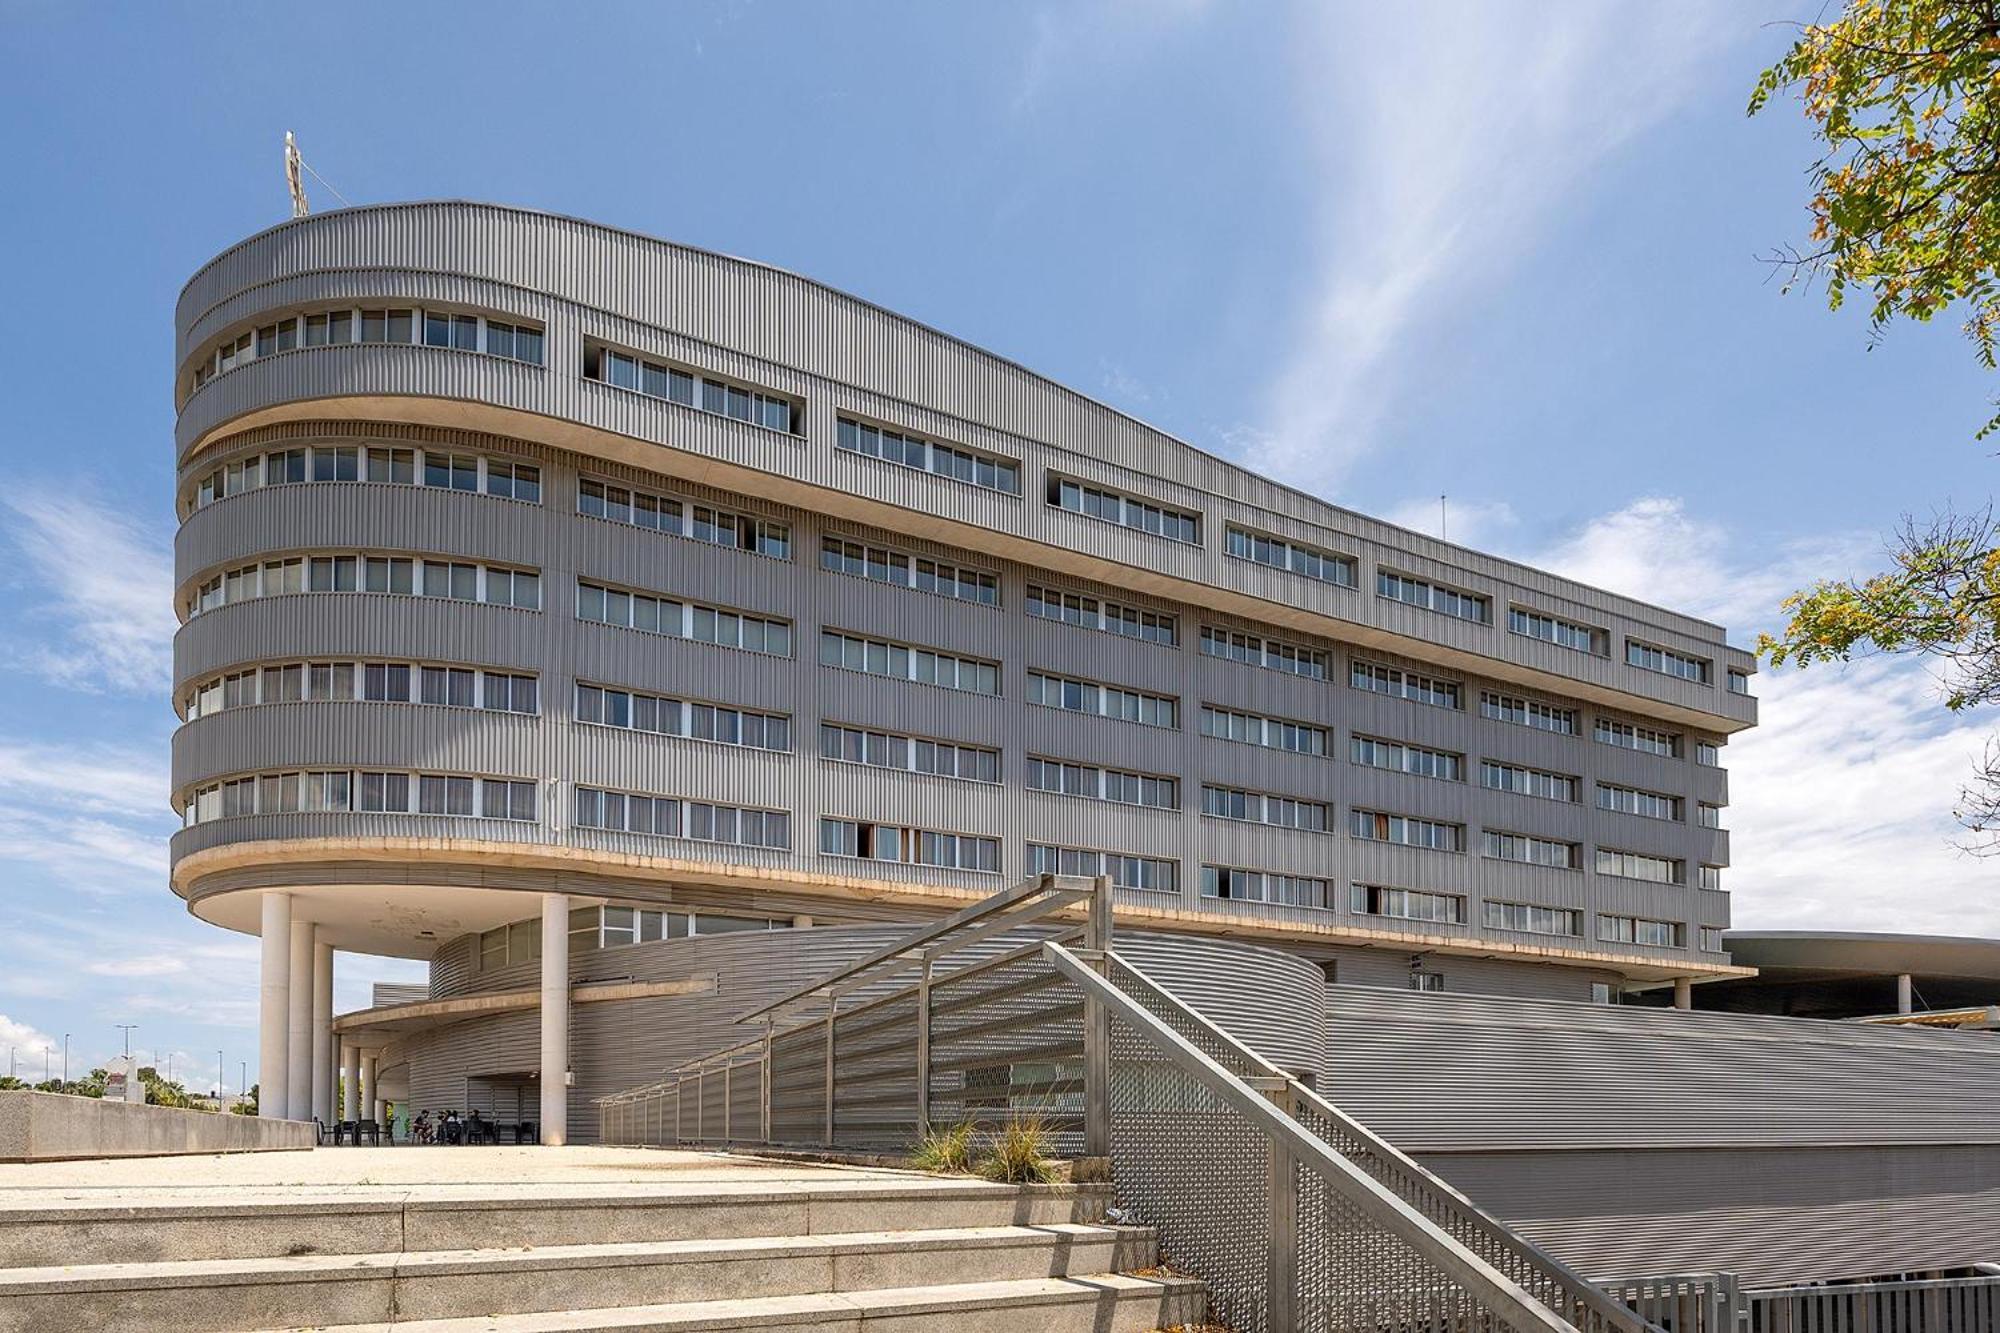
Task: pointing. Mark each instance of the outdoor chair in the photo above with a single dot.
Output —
(369, 1130)
(344, 1132)
(320, 1131)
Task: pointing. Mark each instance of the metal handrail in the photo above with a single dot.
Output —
(1416, 1179)
(1375, 1201)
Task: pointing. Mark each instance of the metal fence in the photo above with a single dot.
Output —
(1949, 1305)
(1293, 1215)
(1685, 1302)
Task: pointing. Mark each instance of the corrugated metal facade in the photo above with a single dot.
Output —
(835, 354)
(1637, 1141)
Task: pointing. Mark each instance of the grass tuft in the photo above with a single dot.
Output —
(945, 1151)
(1019, 1153)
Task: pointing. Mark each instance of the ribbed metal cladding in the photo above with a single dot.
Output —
(1258, 995)
(836, 354)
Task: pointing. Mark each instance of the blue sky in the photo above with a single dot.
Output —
(1505, 251)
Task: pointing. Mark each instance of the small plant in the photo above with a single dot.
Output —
(946, 1151)
(1019, 1153)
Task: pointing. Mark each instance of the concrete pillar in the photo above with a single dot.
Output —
(274, 1005)
(1683, 993)
(371, 1108)
(322, 1032)
(350, 1082)
(298, 1023)
(1905, 1002)
(555, 1019)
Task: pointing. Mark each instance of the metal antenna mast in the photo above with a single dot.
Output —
(295, 176)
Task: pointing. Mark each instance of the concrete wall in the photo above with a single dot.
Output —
(47, 1126)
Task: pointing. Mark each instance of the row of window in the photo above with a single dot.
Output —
(706, 393)
(346, 790)
(666, 716)
(671, 817)
(683, 620)
(914, 451)
(910, 846)
(1099, 613)
(392, 465)
(1526, 918)
(456, 580)
(1109, 506)
(683, 518)
(839, 555)
(508, 339)
(1102, 784)
(608, 926)
(372, 682)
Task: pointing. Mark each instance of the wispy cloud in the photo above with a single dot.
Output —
(1486, 523)
(97, 814)
(1442, 136)
(98, 588)
(1090, 38)
(25, 1044)
(1841, 797)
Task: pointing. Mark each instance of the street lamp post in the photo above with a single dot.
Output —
(65, 1059)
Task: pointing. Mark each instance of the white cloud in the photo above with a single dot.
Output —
(1479, 523)
(1842, 796)
(23, 1041)
(97, 814)
(101, 583)
(1090, 39)
(1440, 136)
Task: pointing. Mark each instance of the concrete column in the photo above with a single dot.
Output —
(298, 1024)
(1905, 1002)
(350, 1081)
(322, 1032)
(274, 1005)
(555, 1019)
(1683, 993)
(370, 1107)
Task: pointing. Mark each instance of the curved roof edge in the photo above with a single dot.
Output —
(1883, 952)
(842, 294)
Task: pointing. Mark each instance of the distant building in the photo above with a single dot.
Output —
(1933, 980)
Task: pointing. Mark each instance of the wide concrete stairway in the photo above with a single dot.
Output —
(846, 1250)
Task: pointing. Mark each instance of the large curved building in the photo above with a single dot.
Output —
(548, 589)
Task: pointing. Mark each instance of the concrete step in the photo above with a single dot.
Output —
(40, 1228)
(319, 1290)
(1105, 1303)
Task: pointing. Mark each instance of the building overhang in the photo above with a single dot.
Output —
(391, 1022)
(651, 878)
(721, 474)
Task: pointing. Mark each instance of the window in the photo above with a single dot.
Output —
(1739, 681)
(1711, 877)
(683, 518)
(1560, 632)
(1666, 661)
(1401, 758)
(1281, 554)
(1632, 801)
(1234, 646)
(1400, 684)
(910, 846)
(1633, 865)
(1254, 807)
(1427, 981)
(1527, 713)
(1407, 831)
(502, 692)
(840, 556)
(1433, 597)
(1112, 701)
(988, 471)
(1638, 930)
(683, 620)
(367, 792)
(912, 754)
(606, 706)
(1711, 939)
(1708, 754)
(1532, 918)
(1528, 781)
(1102, 784)
(378, 682)
(671, 817)
(1533, 851)
(1710, 816)
(626, 370)
(402, 575)
(1127, 511)
(1262, 886)
(1407, 904)
(520, 942)
(428, 328)
(1627, 736)
(1270, 732)
(1126, 872)
(927, 666)
(1601, 993)
(1072, 608)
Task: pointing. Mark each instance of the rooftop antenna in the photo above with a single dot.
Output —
(294, 176)
(1441, 527)
(296, 170)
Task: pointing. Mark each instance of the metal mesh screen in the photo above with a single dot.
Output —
(875, 1075)
(1007, 1044)
(798, 1085)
